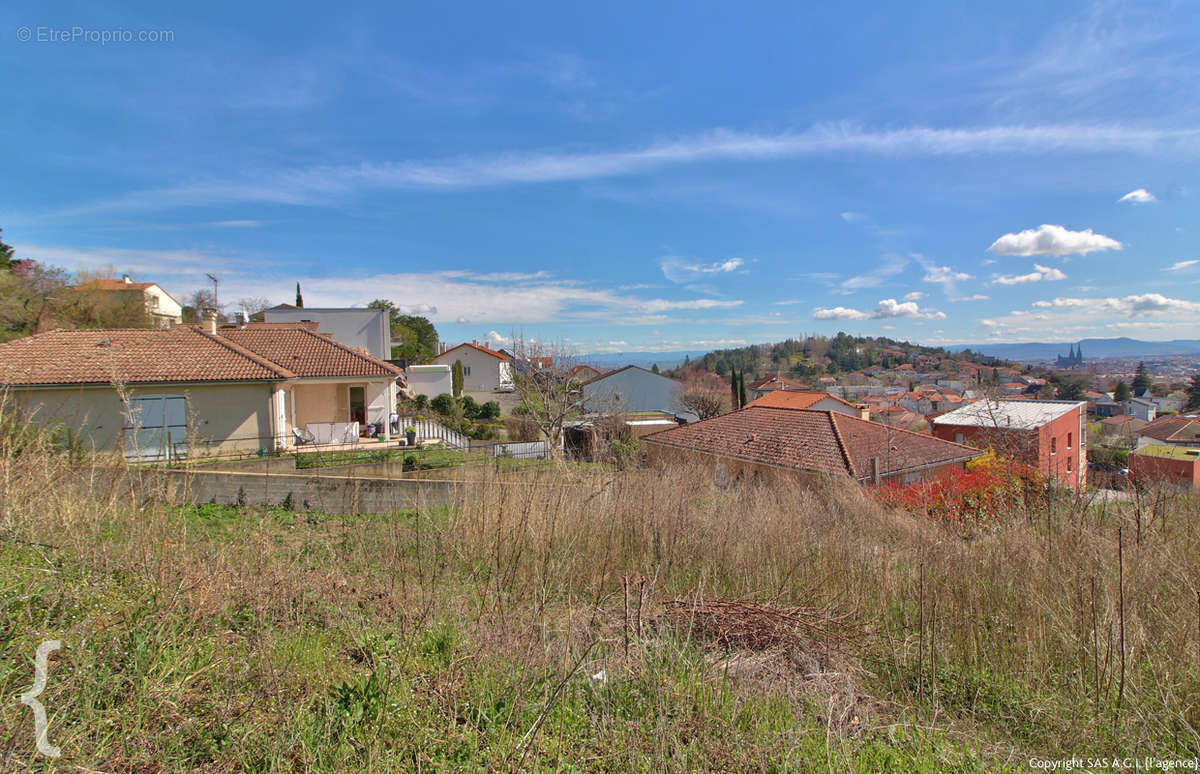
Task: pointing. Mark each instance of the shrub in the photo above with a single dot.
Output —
(978, 497)
(490, 410)
(469, 406)
(443, 404)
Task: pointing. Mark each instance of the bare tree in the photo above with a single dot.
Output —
(704, 403)
(550, 396)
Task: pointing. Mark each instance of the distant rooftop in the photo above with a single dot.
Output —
(1008, 414)
(1169, 452)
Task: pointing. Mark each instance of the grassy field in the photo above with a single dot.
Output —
(591, 621)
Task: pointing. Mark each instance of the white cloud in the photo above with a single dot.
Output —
(679, 271)
(1181, 265)
(838, 313)
(974, 297)
(1042, 274)
(890, 307)
(1053, 240)
(941, 275)
(494, 339)
(916, 295)
(1139, 196)
(1149, 313)
(887, 308)
(853, 217)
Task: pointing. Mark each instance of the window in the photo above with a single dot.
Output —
(1069, 439)
(958, 438)
(156, 427)
(1068, 464)
(1054, 446)
(466, 370)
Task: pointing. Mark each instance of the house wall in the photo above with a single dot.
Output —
(162, 305)
(480, 371)
(321, 403)
(1046, 448)
(224, 418)
(366, 328)
(633, 389)
(1145, 467)
(430, 381)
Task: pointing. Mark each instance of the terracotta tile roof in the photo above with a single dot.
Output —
(472, 345)
(1174, 429)
(307, 353)
(796, 399)
(179, 354)
(820, 441)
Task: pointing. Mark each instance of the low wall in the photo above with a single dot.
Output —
(328, 494)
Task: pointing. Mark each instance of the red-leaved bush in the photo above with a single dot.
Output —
(990, 490)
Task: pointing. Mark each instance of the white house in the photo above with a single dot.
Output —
(165, 310)
(1144, 409)
(357, 327)
(483, 369)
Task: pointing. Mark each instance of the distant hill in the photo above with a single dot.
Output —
(1092, 348)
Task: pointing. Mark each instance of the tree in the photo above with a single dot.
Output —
(1122, 392)
(742, 389)
(253, 305)
(413, 337)
(704, 403)
(654, 368)
(549, 396)
(6, 253)
(1141, 379)
(1194, 393)
(299, 298)
(456, 378)
(1071, 391)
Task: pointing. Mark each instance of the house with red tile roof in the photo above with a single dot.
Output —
(484, 369)
(821, 401)
(191, 391)
(1180, 430)
(775, 382)
(763, 441)
(160, 305)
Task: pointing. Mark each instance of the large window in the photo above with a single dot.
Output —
(1054, 446)
(156, 427)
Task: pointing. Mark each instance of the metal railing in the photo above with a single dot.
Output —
(429, 430)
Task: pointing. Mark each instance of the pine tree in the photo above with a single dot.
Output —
(299, 298)
(1122, 392)
(1194, 393)
(1141, 379)
(654, 368)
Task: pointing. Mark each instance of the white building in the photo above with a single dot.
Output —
(357, 327)
(483, 369)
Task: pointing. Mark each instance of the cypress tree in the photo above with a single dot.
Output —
(299, 298)
(742, 389)
(456, 378)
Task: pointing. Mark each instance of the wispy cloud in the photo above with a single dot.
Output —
(315, 184)
(1152, 313)
(1042, 274)
(1139, 196)
(683, 272)
(941, 275)
(891, 266)
(1183, 265)
(1049, 239)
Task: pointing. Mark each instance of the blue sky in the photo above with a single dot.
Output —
(618, 177)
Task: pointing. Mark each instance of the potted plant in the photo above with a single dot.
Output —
(410, 434)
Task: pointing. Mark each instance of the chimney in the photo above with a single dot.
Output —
(864, 411)
(874, 470)
(126, 279)
(210, 322)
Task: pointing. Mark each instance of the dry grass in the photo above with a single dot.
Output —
(637, 620)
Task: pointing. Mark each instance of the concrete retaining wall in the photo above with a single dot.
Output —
(329, 494)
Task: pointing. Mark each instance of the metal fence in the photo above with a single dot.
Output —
(429, 430)
(533, 450)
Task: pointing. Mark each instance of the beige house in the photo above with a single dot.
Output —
(483, 368)
(193, 391)
(165, 310)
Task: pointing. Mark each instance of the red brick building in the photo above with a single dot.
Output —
(1048, 435)
(1167, 464)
